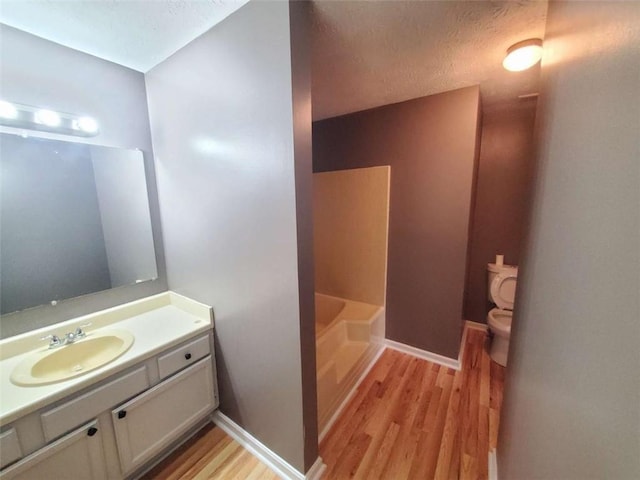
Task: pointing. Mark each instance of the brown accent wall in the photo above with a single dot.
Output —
(299, 26)
(503, 196)
(430, 143)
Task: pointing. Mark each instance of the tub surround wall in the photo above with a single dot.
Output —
(503, 197)
(430, 144)
(351, 221)
(223, 125)
(42, 73)
(572, 389)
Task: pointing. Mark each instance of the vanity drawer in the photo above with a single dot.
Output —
(10, 450)
(183, 356)
(63, 418)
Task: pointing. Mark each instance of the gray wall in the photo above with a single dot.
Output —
(50, 231)
(503, 197)
(38, 72)
(223, 131)
(572, 398)
(431, 145)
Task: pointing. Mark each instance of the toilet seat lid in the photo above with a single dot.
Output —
(503, 290)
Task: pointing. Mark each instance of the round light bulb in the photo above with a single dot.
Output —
(8, 110)
(47, 117)
(87, 124)
(523, 55)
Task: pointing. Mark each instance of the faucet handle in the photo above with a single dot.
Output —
(54, 340)
(80, 332)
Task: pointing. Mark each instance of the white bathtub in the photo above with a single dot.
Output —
(327, 311)
(349, 334)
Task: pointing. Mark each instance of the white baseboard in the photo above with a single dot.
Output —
(350, 395)
(425, 355)
(456, 364)
(264, 454)
(493, 465)
(476, 325)
(316, 470)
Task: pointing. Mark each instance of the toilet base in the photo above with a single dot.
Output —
(499, 350)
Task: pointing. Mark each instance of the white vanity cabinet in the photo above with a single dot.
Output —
(151, 421)
(114, 428)
(78, 454)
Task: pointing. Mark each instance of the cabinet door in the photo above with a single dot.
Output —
(151, 421)
(74, 456)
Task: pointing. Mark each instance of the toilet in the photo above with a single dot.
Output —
(502, 291)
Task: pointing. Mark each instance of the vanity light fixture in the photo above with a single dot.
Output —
(86, 124)
(523, 55)
(47, 117)
(8, 110)
(34, 118)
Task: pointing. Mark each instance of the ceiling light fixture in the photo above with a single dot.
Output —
(523, 55)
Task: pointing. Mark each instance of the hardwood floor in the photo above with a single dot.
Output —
(211, 454)
(409, 419)
(412, 419)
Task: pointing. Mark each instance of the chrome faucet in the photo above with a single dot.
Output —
(54, 341)
(71, 337)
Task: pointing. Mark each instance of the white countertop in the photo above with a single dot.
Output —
(170, 319)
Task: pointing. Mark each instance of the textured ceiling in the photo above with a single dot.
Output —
(364, 53)
(371, 53)
(138, 34)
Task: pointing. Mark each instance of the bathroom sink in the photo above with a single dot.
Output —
(47, 366)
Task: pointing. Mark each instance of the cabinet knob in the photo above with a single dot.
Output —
(92, 431)
(122, 413)
(187, 356)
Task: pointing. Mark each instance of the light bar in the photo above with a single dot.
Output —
(43, 119)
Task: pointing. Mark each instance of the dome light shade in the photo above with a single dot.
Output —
(523, 55)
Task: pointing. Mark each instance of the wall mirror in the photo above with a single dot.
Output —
(74, 220)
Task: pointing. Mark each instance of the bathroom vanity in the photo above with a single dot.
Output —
(117, 418)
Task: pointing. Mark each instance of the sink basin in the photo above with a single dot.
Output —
(62, 363)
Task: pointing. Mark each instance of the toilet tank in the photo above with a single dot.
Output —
(493, 271)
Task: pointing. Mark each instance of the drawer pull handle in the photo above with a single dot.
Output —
(92, 431)
(187, 356)
(122, 413)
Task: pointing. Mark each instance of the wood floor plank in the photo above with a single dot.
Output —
(430, 421)
(437, 428)
(451, 431)
(219, 461)
(409, 419)
(483, 442)
(349, 461)
(397, 379)
(402, 456)
(210, 454)
(379, 461)
(342, 434)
